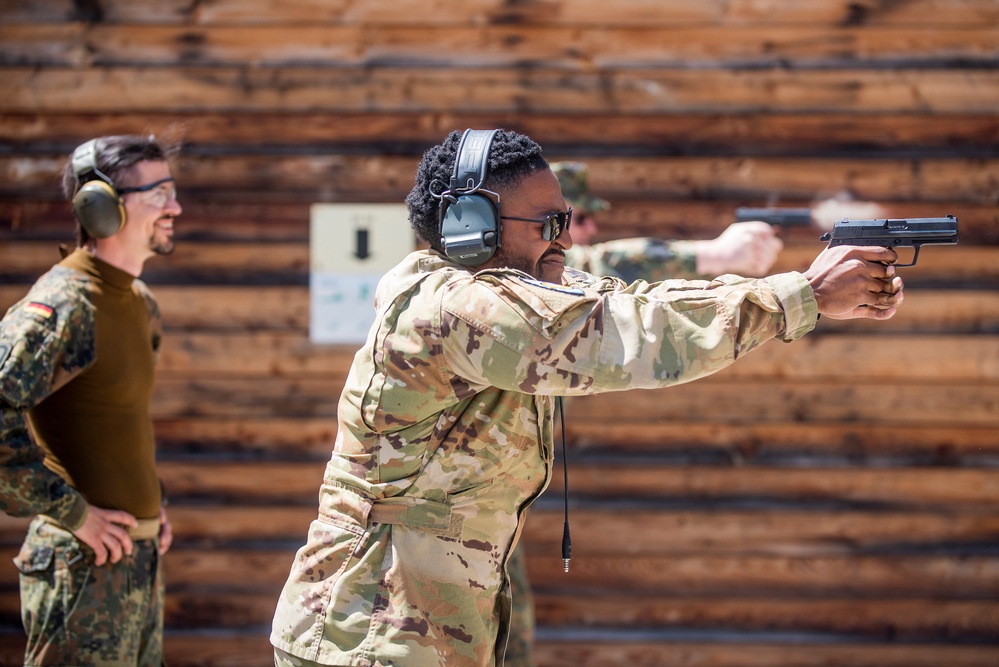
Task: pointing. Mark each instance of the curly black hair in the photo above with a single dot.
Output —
(512, 156)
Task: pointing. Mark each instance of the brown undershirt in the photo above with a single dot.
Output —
(97, 430)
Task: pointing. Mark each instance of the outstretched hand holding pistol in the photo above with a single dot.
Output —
(852, 282)
(747, 248)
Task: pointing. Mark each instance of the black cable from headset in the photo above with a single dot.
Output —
(566, 541)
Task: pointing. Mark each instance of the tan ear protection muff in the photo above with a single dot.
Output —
(469, 220)
(97, 205)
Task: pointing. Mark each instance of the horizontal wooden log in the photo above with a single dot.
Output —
(193, 648)
(605, 532)
(721, 401)
(896, 620)
(583, 650)
(232, 307)
(691, 219)
(864, 358)
(954, 311)
(947, 358)
(602, 532)
(584, 134)
(926, 488)
(513, 45)
(272, 262)
(233, 610)
(871, 180)
(201, 570)
(202, 220)
(251, 354)
(269, 437)
(252, 397)
(782, 441)
(637, 90)
(309, 178)
(276, 262)
(252, 649)
(207, 525)
(683, 595)
(818, 401)
(287, 308)
(861, 579)
(669, 576)
(256, 482)
(237, 307)
(390, 179)
(477, 12)
(207, 221)
(872, 581)
(833, 443)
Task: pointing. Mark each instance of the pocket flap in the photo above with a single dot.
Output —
(33, 558)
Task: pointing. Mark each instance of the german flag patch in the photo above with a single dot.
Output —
(39, 309)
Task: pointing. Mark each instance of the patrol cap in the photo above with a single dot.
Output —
(572, 180)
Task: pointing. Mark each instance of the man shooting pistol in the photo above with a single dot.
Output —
(894, 233)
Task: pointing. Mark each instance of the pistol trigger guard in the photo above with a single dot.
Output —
(915, 256)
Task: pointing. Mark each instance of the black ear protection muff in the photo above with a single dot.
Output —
(469, 220)
(97, 205)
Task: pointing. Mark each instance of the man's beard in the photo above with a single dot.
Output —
(162, 247)
(519, 263)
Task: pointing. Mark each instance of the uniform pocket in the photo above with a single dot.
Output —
(34, 560)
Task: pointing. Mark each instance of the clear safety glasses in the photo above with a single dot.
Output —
(157, 194)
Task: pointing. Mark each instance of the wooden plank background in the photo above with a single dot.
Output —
(829, 502)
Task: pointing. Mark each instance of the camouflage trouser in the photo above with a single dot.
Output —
(521, 641)
(77, 614)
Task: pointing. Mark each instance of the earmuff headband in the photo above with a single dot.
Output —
(96, 204)
(469, 220)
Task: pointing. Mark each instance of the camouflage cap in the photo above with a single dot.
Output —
(572, 180)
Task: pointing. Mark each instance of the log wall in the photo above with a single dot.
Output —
(829, 502)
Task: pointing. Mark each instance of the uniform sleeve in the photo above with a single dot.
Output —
(522, 334)
(44, 341)
(650, 259)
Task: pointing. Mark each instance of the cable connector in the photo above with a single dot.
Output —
(566, 546)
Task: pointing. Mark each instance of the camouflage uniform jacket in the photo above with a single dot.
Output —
(632, 259)
(445, 437)
(46, 340)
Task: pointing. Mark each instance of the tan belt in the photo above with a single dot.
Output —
(146, 529)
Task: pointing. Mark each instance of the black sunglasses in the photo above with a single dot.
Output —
(554, 223)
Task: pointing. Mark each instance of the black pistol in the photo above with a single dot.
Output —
(778, 217)
(894, 233)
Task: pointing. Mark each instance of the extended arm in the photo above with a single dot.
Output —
(744, 248)
(551, 339)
